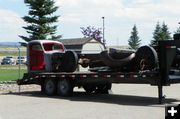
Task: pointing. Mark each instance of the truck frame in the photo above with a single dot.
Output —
(64, 82)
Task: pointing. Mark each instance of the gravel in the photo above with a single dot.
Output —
(13, 87)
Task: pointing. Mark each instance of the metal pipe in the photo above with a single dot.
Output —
(104, 42)
(19, 73)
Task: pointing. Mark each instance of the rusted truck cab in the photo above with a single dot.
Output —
(39, 54)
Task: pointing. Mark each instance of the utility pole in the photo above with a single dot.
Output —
(104, 41)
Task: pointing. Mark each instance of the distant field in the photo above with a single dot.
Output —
(11, 73)
(12, 51)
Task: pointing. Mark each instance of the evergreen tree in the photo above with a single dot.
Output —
(156, 35)
(177, 31)
(134, 41)
(40, 19)
(166, 35)
(160, 33)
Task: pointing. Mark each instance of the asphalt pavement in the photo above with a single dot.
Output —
(125, 102)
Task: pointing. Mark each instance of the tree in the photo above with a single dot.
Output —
(40, 19)
(92, 32)
(160, 33)
(134, 41)
(156, 35)
(166, 35)
(177, 31)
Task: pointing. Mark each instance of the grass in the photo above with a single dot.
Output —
(4, 53)
(12, 51)
(11, 73)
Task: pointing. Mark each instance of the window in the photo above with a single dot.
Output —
(57, 47)
(52, 46)
(36, 47)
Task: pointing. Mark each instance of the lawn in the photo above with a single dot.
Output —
(11, 73)
(12, 53)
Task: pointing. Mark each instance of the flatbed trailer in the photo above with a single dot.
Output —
(164, 75)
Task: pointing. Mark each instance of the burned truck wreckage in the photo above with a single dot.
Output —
(145, 58)
(52, 56)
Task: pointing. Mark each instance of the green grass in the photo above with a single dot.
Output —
(12, 53)
(8, 72)
(11, 73)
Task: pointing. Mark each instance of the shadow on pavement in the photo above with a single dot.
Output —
(101, 98)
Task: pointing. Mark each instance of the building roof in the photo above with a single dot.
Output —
(43, 41)
(76, 41)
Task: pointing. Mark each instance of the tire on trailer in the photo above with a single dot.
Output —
(42, 85)
(50, 87)
(104, 89)
(176, 36)
(146, 58)
(64, 88)
(69, 62)
(90, 89)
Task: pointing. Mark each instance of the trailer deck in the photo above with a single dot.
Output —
(113, 77)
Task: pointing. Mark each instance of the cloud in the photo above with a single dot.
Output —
(120, 16)
(136, 9)
(11, 25)
(85, 10)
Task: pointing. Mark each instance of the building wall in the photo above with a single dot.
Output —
(76, 48)
(92, 47)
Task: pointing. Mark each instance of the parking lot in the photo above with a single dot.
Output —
(12, 60)
(125, 102)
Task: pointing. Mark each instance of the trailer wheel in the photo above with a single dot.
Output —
(176, 36)
(104, 89)
(64, 88)
(49, 87)
(90, 89)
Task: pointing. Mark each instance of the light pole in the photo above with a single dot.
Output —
(104, 42)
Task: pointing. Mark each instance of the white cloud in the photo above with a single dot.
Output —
(134, 9)
(11, 25)
(121, 15)
(86, 10)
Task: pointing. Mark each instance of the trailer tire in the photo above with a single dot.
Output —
(64, 88)
(176, 36)
(49, 87)
(90, 89)
(104, 89)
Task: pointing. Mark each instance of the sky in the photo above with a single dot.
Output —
(120, 16)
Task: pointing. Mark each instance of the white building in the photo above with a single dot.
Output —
(83, 45)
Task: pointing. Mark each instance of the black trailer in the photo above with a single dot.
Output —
(63, 82)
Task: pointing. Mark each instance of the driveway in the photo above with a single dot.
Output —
(125, 102)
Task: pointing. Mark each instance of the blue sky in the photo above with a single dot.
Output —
(120, 16)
